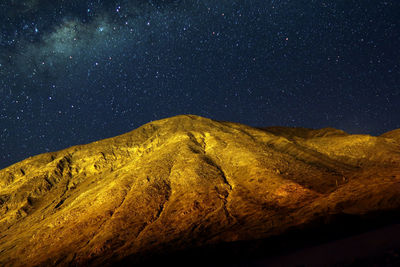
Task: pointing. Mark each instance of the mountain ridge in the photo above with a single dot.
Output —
(185, 182)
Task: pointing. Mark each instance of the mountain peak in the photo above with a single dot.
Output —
(187, 182)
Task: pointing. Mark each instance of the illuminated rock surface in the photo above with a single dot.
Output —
(187, 182)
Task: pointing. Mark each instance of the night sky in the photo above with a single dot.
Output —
(72, 72)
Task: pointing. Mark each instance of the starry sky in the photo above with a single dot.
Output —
(72, 72)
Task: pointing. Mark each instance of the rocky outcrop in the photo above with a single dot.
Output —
(188, 182)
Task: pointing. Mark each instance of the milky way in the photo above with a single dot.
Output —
(72, 72)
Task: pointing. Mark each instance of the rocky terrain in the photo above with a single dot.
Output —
(190, 188)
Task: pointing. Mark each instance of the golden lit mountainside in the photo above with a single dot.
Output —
(189, 182)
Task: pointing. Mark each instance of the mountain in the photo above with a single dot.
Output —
(187, 188)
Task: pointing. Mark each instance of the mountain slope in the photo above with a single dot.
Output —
(186, 182)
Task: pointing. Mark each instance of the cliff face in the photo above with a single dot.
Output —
(186, 182)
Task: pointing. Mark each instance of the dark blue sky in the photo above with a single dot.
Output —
(72, 72)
